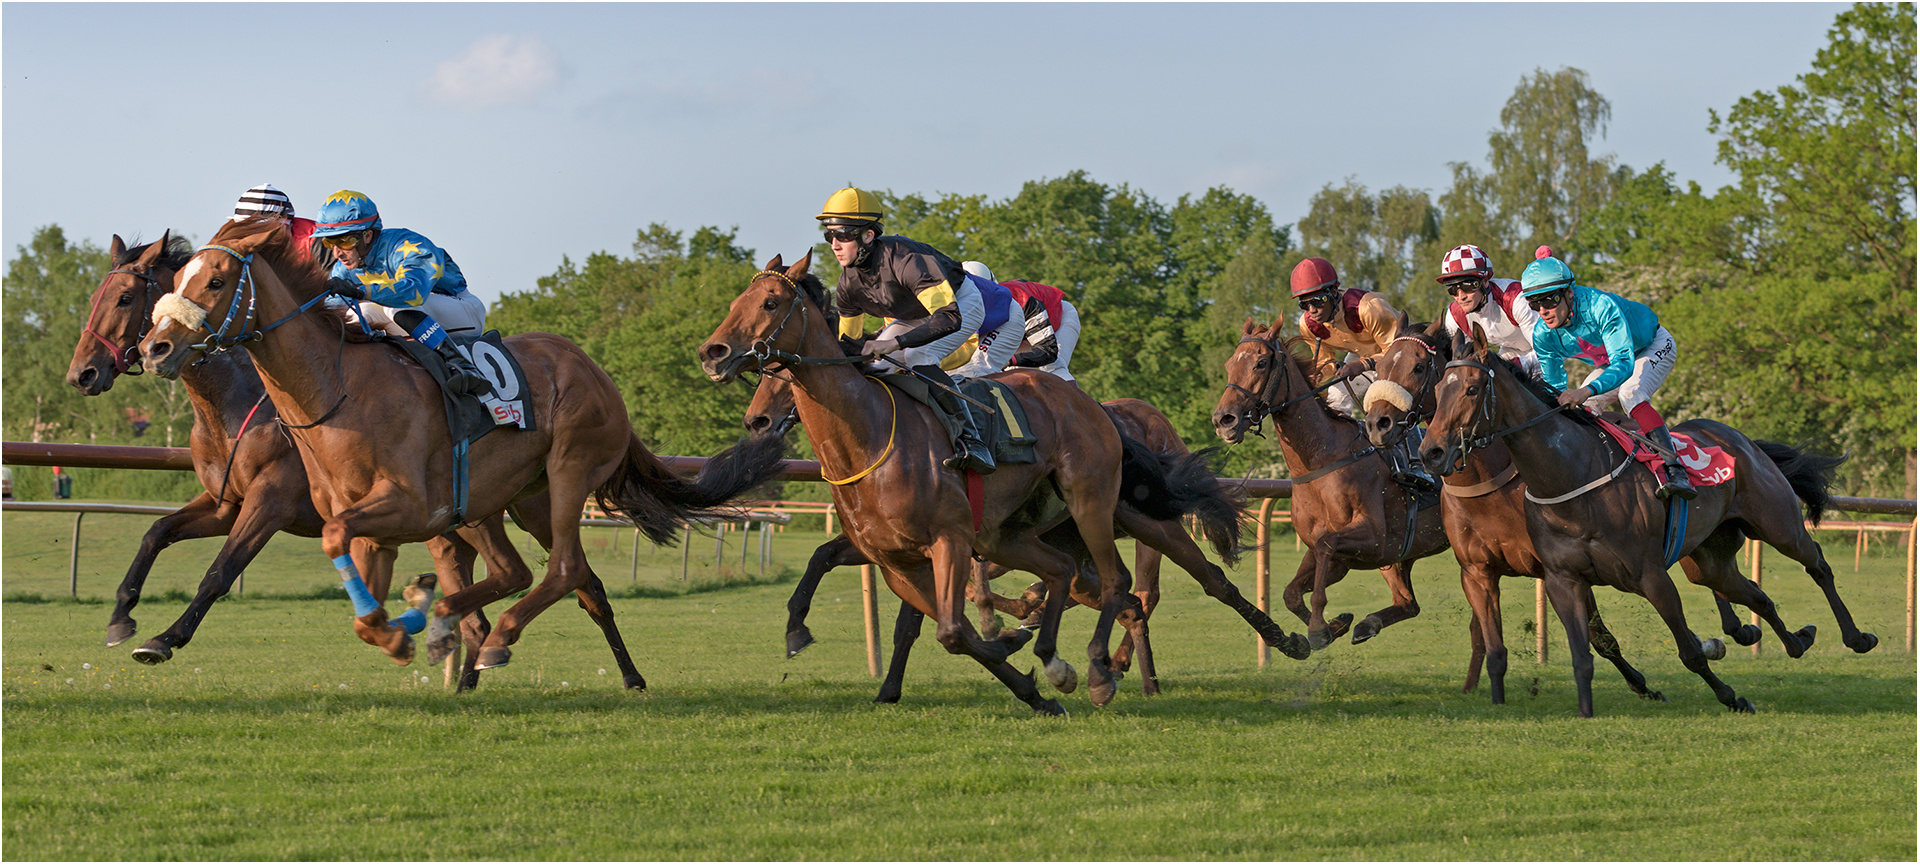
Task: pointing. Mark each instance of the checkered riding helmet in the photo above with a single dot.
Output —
(1464, 260)
(262, 200)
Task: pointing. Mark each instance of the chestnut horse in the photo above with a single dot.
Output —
(255, 482)
(910, 516)
(1481, 508)
(1136, 419)
(1347, 508)
(376, 445)
(1595, 520)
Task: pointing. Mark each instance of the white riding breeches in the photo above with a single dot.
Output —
(1066, 336)
(461, 314)
(972, 313)
(996, 348)
(1651, 366)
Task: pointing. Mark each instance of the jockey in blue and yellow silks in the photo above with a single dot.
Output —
(409, 286)
(1623, 339)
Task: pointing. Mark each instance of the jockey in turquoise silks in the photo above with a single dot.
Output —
(409, 286)
(1632, 354)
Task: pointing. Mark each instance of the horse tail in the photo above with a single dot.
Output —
(1810, 474)
(658, 502)
(1166, 485)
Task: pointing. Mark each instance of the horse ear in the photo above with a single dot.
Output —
(799, 268)
(154, 250)
(1248, 328)
(1438, 327)
(116, 249)
(1479, 339)
(1406, 325)
(775, 265)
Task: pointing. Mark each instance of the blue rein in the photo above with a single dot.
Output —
(219, 341)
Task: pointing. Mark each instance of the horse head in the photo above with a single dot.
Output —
(1263, 375)
(779, 309)
(217, 277)
(117, 318)
(772, 408)
(1402, 392)
(1463, 404)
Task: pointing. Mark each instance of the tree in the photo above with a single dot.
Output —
(1382, 243)
(1544, 181)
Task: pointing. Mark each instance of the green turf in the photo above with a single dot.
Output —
(278, 735)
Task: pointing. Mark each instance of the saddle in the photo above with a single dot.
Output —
(1006, 431)
(1706, 465)
(470, 417)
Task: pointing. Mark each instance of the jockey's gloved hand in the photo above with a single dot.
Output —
(345, 287)
(1353, 368)
(878, 347)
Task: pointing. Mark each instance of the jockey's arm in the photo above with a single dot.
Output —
(1039, 347)
(1618, 341)
(944, 319)
(414, 268)
(1379, 321)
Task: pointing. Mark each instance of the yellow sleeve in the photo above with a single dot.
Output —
(962, 354)
(934, 297)
(852, 326)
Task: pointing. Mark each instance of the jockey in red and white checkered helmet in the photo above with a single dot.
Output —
(1467, 274)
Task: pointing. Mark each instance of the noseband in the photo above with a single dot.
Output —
(1263, 406)
(123, 357)
(769, 359)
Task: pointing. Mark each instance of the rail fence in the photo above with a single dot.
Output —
(1269, 491)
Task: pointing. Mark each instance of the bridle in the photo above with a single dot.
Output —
(1263, 405)
(122, 357)
(769, 360)
(1483, 414)
(1413, 417)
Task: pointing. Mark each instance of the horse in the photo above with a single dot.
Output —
(1136, 419)
(1346, 506)
(1595, 523)
(1481, 508)
(335, 396)
(911, 517)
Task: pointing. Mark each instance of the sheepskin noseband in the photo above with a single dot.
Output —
(181, 310)
(1390, 393)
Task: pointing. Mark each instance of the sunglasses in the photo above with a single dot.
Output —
(1547, 301)
(340, 241)
(844, 234)
(1459, 288)
(1315, 300)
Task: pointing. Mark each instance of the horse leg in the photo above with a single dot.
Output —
(259, 518)
(1320, 632)
(1606, 646)
(507, 573)
(1167, 538)
(391, 636)
(1569, 604)
(554, 521)
(1399, 577)
(1658, 589)
(837, 552)
(537, 518)
(453, 559)
(906, 629)
(1715, 560)
(1134, 619)
(1146, 587)
(980, 591)
(1740, 632)
(386, 506)
(1057, 569)
(1799, 546)
(1480, 582)
(200, 518)
(947, 572)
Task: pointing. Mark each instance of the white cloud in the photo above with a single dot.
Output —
(493, 72)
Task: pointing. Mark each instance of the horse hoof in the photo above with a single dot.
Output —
(1016, 639)
(635, 682)
(1746, 635)
(1100, 686)
(1806, 639)
(887, 697)
(1714, 648)
(1864, 644)
(402, 653)
(798, 640)
(442, 639)
(493, 656)
(1654, 695)
(120, 632)
(1742, 706)
(1062, 675)
(1339, 625)
(1369, 628)
(151, 654)
(1050, 708)
(1295, 646)
(1319, 638)
(1149, 687)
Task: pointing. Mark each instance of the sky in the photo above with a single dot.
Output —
(517, 135)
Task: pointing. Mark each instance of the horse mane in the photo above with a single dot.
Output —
(815, 292)
(1538, 387)
(304, 277)
(173, 257)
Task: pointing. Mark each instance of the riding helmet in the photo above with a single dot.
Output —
(345, 212)
(1313, 276)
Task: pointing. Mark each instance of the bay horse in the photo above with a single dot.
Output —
(1481, 508)
(1347, 509)
(376, 445)
(1595, 523)
(255, 482)
(772, 408)
(909, 515)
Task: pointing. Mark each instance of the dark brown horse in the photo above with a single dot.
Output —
(1481, 508)
(1594, 518)
(909, 515)
(1346, 506)
(379, 457)
(772, 408)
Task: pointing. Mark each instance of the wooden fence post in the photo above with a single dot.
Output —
(870, 613)
(1262, 573)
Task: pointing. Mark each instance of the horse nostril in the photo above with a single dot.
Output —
(714, 351)
(759, 423)
(88, 375)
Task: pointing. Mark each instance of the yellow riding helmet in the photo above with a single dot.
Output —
(850, 206)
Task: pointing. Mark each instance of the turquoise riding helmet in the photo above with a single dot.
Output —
(1544, 275)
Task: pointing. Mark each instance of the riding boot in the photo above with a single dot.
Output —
(462, 375)
(1676, 483)
(1407, 469)
(969, 449)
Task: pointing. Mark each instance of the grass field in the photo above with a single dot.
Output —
(278, 735)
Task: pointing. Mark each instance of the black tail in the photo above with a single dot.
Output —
(658, 502)
(1168, 486)
(1809, 474)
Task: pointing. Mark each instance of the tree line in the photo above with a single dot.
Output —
(1790, 292)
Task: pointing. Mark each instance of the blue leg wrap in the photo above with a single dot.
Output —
(413, 620)
(428, 332)
(363, 602)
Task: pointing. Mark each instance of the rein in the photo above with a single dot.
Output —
(893, 427)
(122, 357)
(1263, 406)
(1486, 417)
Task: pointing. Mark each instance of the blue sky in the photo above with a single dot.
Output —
(513, 134)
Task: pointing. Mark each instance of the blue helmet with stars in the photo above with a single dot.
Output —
(345, 212)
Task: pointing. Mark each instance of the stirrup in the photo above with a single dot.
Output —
(1671, 488)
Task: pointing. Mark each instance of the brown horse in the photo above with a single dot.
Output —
(908, 514)
(1595, 520)
(772, 408)
(1347, 508)
(381, 467)
(1481, 508)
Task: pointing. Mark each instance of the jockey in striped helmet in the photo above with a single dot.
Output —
(265, 200)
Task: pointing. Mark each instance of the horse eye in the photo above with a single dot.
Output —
(216, 282)
(770, 305)
(1260, 364)
(1472, 389)
(126, 300)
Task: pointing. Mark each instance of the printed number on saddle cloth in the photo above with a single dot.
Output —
(504, 403)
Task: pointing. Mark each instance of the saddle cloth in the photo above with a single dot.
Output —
(1706, 466)
(469, 417)
(1007, 432)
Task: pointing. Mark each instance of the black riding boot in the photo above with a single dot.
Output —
(1676, 483)
(462, 376)
(1407, 468)
(969, 451)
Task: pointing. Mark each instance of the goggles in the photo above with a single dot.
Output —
(1550, 300)
(341, 241)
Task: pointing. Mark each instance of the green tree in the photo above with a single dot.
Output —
(1377, 242)
(1544, 181)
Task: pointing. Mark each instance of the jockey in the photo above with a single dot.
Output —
(1362, 323)
(990, 348)
(1621, 338)
(1467, 274)
(933, 305)
(408, 286)
(265, 200)
(1052, 326)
